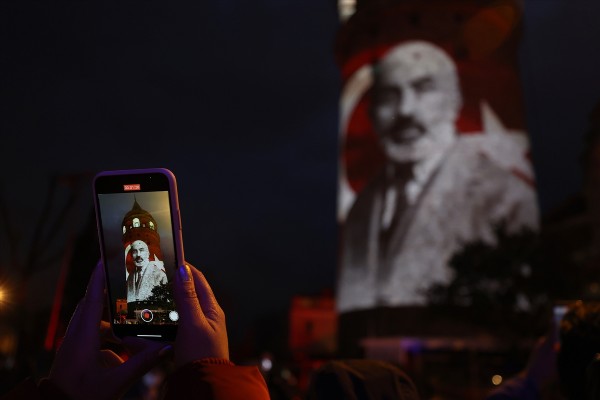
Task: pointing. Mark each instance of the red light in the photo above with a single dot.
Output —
(129, 188)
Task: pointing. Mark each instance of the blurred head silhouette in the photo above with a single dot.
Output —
(361, 380)
(579, 344)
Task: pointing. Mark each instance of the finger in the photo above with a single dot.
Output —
(92, 305)
(135, 345)
(107, 334)
(206, 297)
(186, 298)
(137, 365)
(110, 359)
(85, 320)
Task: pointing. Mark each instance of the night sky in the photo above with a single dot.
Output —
(239, 100)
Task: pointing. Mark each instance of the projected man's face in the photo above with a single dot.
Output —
(140, 253)
(415, 100)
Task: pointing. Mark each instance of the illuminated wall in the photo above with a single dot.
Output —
(312, 326)
(434, 153)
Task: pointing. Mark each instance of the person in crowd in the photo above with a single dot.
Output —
(565, 361)
(82, 369)
(361, 380)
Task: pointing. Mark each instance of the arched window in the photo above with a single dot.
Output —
(136, 222)
(124, 229)
(151, 225)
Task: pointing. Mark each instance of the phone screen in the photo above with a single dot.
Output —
(136, 221)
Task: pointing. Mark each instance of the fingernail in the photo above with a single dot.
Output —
(184, 273)
(165, 351)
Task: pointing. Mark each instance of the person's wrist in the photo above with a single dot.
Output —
(214, 361)
(202, 363)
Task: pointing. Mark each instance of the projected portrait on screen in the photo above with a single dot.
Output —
(144, 267)
(436, 189)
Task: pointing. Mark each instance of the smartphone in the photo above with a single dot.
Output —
(139, 227)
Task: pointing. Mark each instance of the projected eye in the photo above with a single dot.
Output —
(425, 84)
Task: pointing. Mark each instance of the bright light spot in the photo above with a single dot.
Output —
(496, 380)
(6, 296)
(346, 8)
(266, 364)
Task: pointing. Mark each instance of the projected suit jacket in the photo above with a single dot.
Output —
(141, 283)
(459, 203)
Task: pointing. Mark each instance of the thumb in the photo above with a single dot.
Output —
(138, 364)
(185, 295)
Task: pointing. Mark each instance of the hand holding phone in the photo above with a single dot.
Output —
(139, 227)
(82, 370)
(202, 332)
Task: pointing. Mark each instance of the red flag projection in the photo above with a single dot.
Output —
(434, 153)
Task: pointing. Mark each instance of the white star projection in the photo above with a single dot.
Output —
(506, 148)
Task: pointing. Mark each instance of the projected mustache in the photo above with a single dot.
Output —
(406, 128)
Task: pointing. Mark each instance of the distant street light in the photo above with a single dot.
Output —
(5, 294)
(4, 297)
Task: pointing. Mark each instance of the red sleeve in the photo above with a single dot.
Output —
(201, 380)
